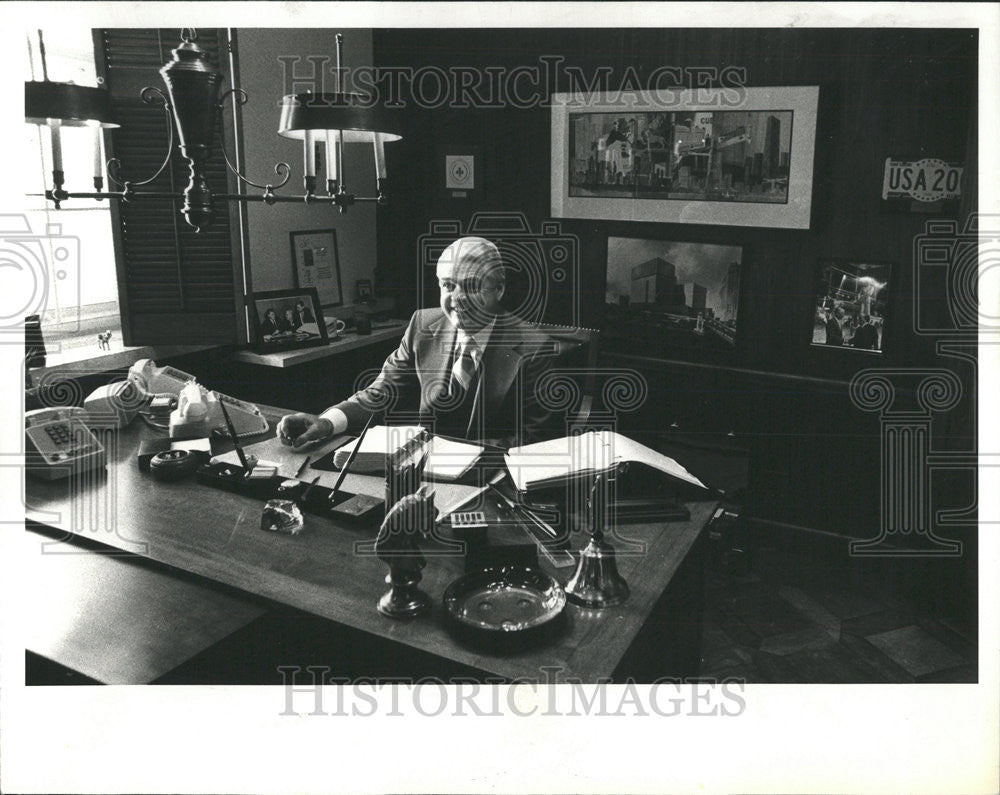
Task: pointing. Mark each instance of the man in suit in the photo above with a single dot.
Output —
(303, 314)
(469, 367)
(834, 331)
(270, 325)
(866, 336)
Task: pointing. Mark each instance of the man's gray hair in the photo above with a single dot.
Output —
(480, 254)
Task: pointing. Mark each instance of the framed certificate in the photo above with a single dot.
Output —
(317, 265)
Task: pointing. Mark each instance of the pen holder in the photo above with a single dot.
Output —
(355, 509)
(232, 477)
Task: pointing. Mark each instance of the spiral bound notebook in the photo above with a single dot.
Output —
(546, 464)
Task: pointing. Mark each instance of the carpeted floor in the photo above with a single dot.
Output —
(770, 621)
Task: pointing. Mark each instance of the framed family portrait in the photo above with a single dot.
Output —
(734, 157)
(317, 265)
(851, 301)
(287, 319)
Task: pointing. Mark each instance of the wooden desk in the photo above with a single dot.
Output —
(117, 620)
(216, 535)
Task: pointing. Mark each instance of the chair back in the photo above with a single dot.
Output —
(575, 350)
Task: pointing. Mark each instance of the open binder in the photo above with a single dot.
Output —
(547, 464)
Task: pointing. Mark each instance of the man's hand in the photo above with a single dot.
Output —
(299, 430)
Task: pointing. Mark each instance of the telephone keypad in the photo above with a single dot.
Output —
(58, 433)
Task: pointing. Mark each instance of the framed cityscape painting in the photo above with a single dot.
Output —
(735, 156)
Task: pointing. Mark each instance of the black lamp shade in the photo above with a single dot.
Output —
(71, 105)
(344, 111)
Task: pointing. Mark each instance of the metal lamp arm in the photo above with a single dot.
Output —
(114, 164)
(240, 97)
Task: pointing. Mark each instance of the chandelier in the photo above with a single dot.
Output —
(193, 107)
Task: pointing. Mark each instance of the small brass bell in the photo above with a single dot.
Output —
(597, 582)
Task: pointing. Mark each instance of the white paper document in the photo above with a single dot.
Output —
(549, 463)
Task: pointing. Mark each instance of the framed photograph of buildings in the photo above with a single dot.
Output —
(735, 156)
(668, 294)
(851, 301)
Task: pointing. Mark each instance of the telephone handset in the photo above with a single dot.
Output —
(58, 443)
(159, 380)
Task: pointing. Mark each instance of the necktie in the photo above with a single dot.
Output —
(464, 368)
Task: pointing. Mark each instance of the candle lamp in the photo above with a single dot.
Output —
(193, 108)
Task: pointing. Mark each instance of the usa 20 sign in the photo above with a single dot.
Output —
(927, 180)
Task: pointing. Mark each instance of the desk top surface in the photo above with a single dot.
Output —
(118, 619)
(216, 534)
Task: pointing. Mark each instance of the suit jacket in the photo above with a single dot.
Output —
(834, 334)
(865, 337)
(417, 372)
(267, 326)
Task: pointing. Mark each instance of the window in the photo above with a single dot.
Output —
(135, 268)
(82, 287)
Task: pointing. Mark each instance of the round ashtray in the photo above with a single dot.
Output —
(504, 606)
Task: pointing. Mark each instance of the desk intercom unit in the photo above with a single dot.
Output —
(58, 443)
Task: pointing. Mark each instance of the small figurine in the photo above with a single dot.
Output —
(396, 546)
(104, 340)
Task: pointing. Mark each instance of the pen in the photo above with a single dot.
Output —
(524, 513)
(537, 522)
(232, 432)
(309, 488)
(350, 458)
(302, 467)
(557, 557)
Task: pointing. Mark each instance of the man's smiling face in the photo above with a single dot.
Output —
(471, 284)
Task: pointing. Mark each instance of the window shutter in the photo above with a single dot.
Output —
(176, 286)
